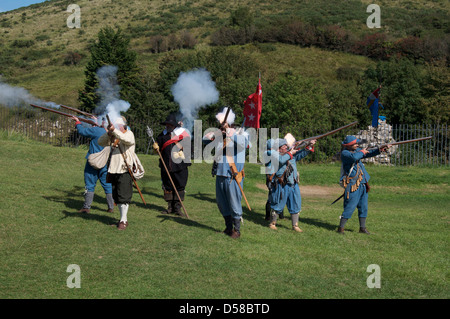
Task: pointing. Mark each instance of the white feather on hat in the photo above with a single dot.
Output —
(231, 116)
(290, 139)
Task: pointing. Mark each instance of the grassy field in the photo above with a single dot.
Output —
(165, 257)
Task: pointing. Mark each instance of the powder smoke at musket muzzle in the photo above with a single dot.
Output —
(109, 92)
(11, 96)
(193, 90)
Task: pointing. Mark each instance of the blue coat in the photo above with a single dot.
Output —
(349, 158)
(236, 147)
(93, 132)
(283, 161)
(91, 175)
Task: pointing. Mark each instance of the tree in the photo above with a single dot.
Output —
(111, 49)
(401, 90)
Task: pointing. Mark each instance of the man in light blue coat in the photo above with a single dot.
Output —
(355, 180)
(228, 193)
(92, 175)
(284, 190)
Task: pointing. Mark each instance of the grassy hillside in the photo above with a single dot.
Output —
(165, 257)
(35, 40)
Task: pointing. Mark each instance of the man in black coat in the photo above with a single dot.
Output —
(170, 142)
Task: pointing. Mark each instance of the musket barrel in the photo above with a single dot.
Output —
(77, 110)
(325, 134)
(409, 141)
(65, 114)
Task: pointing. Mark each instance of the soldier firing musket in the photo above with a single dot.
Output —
(355, 179)
(229, 166)
(119, 173)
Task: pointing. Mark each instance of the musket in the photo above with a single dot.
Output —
(392, 144)
(116, 143)
(214, 167)
(234, 172)
(303, 143)
(65, 114)
(78, 111)
(404, 142)
(150, 133)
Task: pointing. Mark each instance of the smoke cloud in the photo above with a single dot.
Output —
(109, 92)
(193, 90)
(12, 96)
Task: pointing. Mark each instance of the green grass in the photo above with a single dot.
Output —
(166, 257)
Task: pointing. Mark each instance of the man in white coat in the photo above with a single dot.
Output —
(122, 142)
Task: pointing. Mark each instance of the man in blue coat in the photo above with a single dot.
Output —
(284, 189)
(92, 175)
(228, 193)
(355, 180)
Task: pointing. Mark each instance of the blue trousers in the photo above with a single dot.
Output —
(286, 195)
(92, 175)
(229, 196)
(358, 199)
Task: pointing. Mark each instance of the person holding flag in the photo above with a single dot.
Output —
(374, 104)
(170, 143)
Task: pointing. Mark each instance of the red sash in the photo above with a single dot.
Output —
(175, 139)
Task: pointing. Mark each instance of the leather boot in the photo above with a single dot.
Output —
(88, 198)
(340, 230)
(228, 225)
(177, 210)
(169, 209)
(364, 230)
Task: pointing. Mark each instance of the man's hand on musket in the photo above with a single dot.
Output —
(75, 118)
(110, 129)
(384, 148)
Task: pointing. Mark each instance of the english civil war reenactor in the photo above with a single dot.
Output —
(122, 141)
(355, 180)
(91, 174)
(170, 144)
(284, 188)
(228, 168)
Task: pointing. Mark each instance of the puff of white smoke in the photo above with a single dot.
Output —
(193, 90)
(11, 96)
(109, 92)
(114, 108)
(221, 116)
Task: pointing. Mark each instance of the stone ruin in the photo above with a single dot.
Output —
(375, 136)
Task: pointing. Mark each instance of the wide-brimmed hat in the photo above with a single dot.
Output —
(121, 121)
(171, 120)
(350, 140)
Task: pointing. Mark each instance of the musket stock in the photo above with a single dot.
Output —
(303, 143)
(65, 114)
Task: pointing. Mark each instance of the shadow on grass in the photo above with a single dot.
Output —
(73, 200)
(318, 223)
(186, 222)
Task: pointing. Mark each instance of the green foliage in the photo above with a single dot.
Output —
(112, 48)
(401, 90)
(293, 103)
